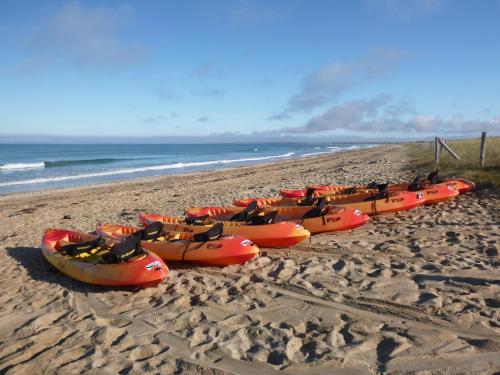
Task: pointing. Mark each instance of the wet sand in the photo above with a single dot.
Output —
(415, 292)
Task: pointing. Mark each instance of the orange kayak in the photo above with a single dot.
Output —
(460, 184)
(432, 193)
(144, 269)
(394, 202)
(332, 219)
(269, 235)
(181, 246)
(315, 191)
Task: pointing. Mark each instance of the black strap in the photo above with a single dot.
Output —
(185, 251)
(186, 248)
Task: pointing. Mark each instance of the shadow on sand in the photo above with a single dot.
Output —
(32, 259)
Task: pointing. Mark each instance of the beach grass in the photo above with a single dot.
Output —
(422, 159)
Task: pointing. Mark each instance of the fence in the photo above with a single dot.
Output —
(440, 147)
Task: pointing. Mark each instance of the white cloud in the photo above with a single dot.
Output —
(85, 34)
(329, 82)
(383, 114)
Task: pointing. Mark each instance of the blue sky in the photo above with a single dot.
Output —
(372, 68)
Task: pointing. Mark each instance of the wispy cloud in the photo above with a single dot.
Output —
(384, 114)
(84, 34)
(203, 119)
(279, 116)
(208, 92)
(209, 69)
(329, 82)
(167, 95)
(154, 119)
(409, 9)
(252, 13)
(266, 82)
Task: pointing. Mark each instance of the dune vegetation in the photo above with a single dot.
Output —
(422, 159)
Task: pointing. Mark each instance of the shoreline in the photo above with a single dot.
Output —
(154, 179)
(130, 173)
(415, 291)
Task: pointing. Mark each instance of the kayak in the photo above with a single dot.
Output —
(460, 184)
(432, 181)
(269, 235)
(366, 203)
(315, 191)
(183, 247)
(330, 219)
(432, 194)
(86, 258)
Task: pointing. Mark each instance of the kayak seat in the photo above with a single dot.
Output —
(199, 220)
(246, 214)
(316, 211)
(214, 233)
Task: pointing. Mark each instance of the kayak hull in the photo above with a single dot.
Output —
(398, 201)
(334, 219)
(461, 184)
(144, 271)
(432, 193)
(226, 251)
(301, 193)
(274, 235)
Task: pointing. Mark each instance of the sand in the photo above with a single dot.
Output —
(411, 292)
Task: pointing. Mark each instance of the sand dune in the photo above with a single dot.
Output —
(411, 292)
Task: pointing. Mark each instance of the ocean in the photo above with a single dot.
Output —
(31, 167)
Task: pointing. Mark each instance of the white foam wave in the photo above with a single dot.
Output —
(315, 153)
(331, 151)
(19, 166)
(143, 169)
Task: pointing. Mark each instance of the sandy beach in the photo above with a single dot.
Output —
(414, 292)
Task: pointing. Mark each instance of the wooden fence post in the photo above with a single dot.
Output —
(482, 153)
(447, 148)
(436, 151)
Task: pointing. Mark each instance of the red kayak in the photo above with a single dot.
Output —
(86, 258)
(314, 219)
(366, 203)
(432, 193)
(186, 247)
